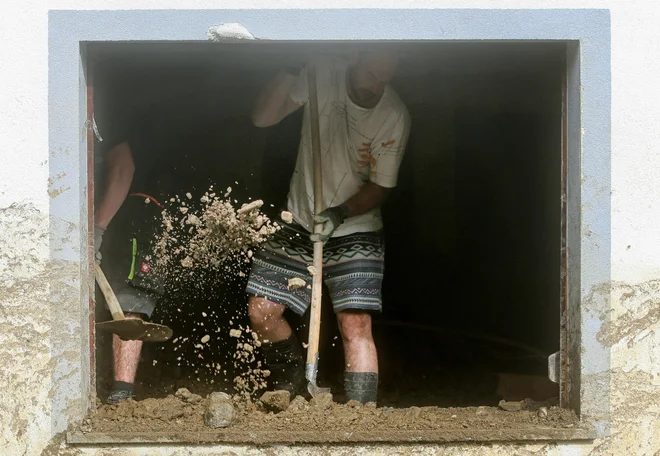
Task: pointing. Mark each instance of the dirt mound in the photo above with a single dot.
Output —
(174, 414)
(150, 414)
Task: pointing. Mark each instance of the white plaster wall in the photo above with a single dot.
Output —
(632, 330)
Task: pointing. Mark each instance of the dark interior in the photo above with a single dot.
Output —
(472, 281)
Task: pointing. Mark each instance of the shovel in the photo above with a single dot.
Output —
(312, 364)
(127, 328)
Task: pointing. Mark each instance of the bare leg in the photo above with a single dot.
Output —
(359, 347)
(126, 356)
(267, 320)
(361, 370)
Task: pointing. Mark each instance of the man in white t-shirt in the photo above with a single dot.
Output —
(364, 128)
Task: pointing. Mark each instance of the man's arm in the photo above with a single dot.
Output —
(274, 102)
(119, 176)
(370, 196)
(388, 152)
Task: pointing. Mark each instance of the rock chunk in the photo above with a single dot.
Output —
(299, 403)
(482, 411)
(322, 400)
(185, 395)
(287, 216)
(295, 283)
(510, 406)
(220, 411)
(276, 401)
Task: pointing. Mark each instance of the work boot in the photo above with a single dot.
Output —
(121, 391)
(119, 395)
(361, 386)
(284, 360)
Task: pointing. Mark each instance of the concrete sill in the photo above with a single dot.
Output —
(528, 434)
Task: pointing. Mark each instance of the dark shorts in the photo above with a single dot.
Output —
(352, 269)
(126, 257)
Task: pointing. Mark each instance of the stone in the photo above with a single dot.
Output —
(371, 405)
(287, 216)
(276, 401)
(185, 395)
(220, 411)
(412, 414)
(542, 412)
(295, 283)
(512, 406)
(353, 403)
(482, 411)
(298, 403)
(322, 400)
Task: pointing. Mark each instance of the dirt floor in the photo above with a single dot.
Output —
(176, 415)
(430, 378)
(433, 388)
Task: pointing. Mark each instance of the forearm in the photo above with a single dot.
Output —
(273, 102)
(367, 198)
(118, 182)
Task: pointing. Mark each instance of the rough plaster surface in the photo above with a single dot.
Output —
(41, 236)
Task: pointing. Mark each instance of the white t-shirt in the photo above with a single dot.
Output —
(358, 145)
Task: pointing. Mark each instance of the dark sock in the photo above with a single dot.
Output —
(361, 386)
(285, 361)
(123, 386)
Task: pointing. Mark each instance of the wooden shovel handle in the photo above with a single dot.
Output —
(317, 282)
(106, 289)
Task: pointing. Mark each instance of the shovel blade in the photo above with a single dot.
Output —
(311, 369)
(136, 329)
(315, 390)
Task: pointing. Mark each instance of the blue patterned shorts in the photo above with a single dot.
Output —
(352, 269)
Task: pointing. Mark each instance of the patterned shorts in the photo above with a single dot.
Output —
(352, 269)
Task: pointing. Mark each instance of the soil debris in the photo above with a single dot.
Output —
(276, 401)
(525, 404)
(174, 414)
(187, 396)
(287, 217)
(248, 207)
(322, 400)
(295, 283)
(220, 411)
(482, 411)
(510, 406)
(299, 403)
(210, 235)
(235, 332)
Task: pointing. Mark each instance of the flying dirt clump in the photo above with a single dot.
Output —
(295, 283)
(287, 216)
(252, 376)
(211, 234)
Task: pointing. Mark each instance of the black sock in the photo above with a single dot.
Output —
(286, 351)
(123, 386)
(361, 386)
(284, 360)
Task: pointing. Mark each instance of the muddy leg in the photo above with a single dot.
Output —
(126, 357)
(267, 320)
(361, 374)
